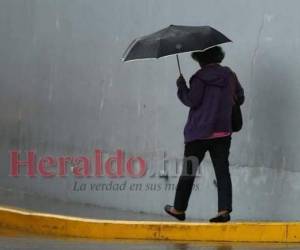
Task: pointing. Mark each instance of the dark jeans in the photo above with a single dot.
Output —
(194, 153)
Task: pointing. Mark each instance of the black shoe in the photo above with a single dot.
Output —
(177, 216)
(221, 218)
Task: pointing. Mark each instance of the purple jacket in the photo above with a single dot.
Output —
(210, 98)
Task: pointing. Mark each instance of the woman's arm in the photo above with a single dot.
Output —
(239, 91)
(239, 96)
(191, 97)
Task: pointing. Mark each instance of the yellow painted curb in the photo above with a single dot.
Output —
(49, 224)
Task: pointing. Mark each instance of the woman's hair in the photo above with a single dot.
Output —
(212, 55)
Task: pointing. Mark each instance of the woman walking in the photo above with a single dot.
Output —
(214, 89)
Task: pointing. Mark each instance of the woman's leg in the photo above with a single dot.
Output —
(219, 151)
(194, 153)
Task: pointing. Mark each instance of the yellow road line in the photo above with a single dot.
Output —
(58, 225)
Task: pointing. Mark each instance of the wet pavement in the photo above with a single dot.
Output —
(9, 198)
(11, 240)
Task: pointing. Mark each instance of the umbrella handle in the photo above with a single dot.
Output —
(178, 64)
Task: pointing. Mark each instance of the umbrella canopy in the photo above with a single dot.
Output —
(174, 40)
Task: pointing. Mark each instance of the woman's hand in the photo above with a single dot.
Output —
(180, 81)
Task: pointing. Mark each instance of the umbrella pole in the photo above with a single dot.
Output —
(178, 63)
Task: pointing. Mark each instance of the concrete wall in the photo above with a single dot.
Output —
(64, 91)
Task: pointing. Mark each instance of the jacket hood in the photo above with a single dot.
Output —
(214, 75)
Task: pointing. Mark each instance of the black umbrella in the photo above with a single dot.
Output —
(174, 40)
